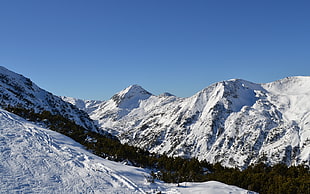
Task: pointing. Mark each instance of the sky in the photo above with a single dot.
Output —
(94, 49)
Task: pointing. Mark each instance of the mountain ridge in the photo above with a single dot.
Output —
(19, 91)
(234, 122)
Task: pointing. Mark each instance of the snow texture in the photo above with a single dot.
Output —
(38, 160)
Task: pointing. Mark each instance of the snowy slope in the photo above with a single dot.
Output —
(37, 160)
(16, 90)
(234, 122)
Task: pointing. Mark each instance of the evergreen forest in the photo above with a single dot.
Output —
(260, 178)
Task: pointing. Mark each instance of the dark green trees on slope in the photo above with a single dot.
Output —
(260, 178)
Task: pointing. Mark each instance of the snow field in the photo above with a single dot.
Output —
(38, 160)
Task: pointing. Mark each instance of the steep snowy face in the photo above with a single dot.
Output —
(233, 122)
(291, 97)
(38, 160)
(16, 90)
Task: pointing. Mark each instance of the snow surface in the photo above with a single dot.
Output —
(234, 122)
(38, 160)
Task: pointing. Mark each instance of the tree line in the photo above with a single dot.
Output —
(260, 177)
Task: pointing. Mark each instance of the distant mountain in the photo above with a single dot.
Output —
(38, 160)
(118, 106)
(234, 122)
(18, 91)
(85, 105)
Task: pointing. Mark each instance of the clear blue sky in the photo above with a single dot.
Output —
(91, 49)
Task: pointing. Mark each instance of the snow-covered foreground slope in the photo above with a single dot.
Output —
(234, 122)
(37, 160)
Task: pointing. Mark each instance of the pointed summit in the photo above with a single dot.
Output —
(134, 89)
(130, 97)
(166, 94)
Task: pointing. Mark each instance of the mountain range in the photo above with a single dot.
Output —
(34, 159)
(235, 122)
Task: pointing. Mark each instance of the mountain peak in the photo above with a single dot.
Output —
(130, 97)
(242, 83)
(166, 94)
(134, 89)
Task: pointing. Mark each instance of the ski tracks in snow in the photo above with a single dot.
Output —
(33, 159)
(38, 160)
(119, 180)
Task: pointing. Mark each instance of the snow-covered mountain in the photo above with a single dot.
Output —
(85, 105)
(16, 90)
(38, 160)
(233, 122)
